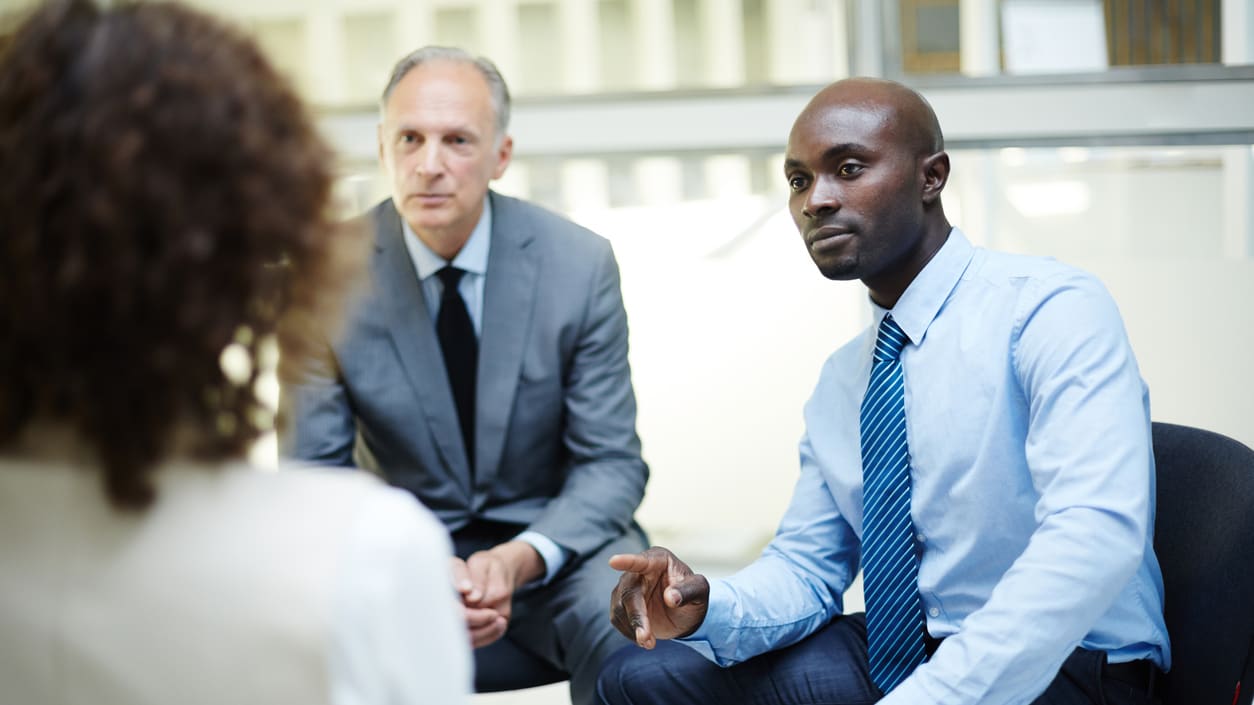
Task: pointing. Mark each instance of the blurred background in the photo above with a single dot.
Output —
(1116, 135)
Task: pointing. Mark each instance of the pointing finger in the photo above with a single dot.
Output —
(653, 560)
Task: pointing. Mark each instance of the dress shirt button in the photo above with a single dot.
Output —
(934, 612)
(920, 537)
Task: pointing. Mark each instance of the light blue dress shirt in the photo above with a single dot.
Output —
(473, 259)
(1032, 478)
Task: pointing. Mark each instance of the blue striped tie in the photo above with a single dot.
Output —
(894, 612)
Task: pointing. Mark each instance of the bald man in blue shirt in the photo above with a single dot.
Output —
(996, 403)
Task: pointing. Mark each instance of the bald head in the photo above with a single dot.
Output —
(865, 166)
(909, 115)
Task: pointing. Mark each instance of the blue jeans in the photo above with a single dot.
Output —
(827, 668)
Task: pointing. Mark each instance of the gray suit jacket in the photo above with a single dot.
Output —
(556, 446)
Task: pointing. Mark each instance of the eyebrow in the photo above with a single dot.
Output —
(830, 153)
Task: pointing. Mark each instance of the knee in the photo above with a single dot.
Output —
(627, 676)
(671, 673)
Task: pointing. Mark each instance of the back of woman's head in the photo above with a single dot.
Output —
(164, 200)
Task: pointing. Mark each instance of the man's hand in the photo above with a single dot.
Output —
(657, 597)
(486, 582)
(484, 624)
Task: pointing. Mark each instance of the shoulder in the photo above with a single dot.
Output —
(348, 484)
(840, 372)
(845, 358)
(1017, 289)
(1059, 321)
(380, 518)
(1036, 294)
(324, 495)
(393, 519)
(1032, 276)
(547, 229)
(381, 213)
(380, 221)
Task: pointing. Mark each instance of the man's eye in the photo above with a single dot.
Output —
(797, 183)
(850, 169)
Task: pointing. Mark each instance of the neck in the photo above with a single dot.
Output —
(888, 287)
(445, 243)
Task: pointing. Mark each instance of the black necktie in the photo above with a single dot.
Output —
(461, 354)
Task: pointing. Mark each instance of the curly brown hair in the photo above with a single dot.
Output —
(165, 198)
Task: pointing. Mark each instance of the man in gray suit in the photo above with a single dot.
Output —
(486, 371)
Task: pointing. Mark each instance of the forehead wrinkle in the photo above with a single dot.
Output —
(833, 152)
(438, 126)
(447, 92)
(843, 148)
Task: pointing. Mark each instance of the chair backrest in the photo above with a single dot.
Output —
(1204, 538)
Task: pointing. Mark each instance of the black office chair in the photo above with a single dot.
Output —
(1204, 538)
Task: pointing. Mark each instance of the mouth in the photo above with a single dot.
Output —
(430, 199)
(827, 236)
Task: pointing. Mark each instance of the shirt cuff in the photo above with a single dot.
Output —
(717, 614)
(553, 555)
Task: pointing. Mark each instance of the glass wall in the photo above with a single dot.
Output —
(337, 50)
(1055, 36)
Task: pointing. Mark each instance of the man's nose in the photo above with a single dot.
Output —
(824, 198)
(430, 160)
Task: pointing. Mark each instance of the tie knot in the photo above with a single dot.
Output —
(890, 341)
(449, 277)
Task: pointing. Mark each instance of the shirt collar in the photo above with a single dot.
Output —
(473, 256)
(922, 300)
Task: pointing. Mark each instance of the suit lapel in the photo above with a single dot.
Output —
(413, 333)
(508, 299)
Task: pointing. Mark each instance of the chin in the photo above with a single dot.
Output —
(842, 270)
(424, 219)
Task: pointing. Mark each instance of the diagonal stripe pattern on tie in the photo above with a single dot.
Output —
(894, 611)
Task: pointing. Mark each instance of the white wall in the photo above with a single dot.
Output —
(725, 350)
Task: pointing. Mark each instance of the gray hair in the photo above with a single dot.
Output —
(496, 84)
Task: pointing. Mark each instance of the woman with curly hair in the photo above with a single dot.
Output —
(164, 231)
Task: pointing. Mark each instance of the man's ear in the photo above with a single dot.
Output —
(935, 169)
(504, 154)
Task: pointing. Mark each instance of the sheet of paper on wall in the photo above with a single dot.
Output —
(1053, 36)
